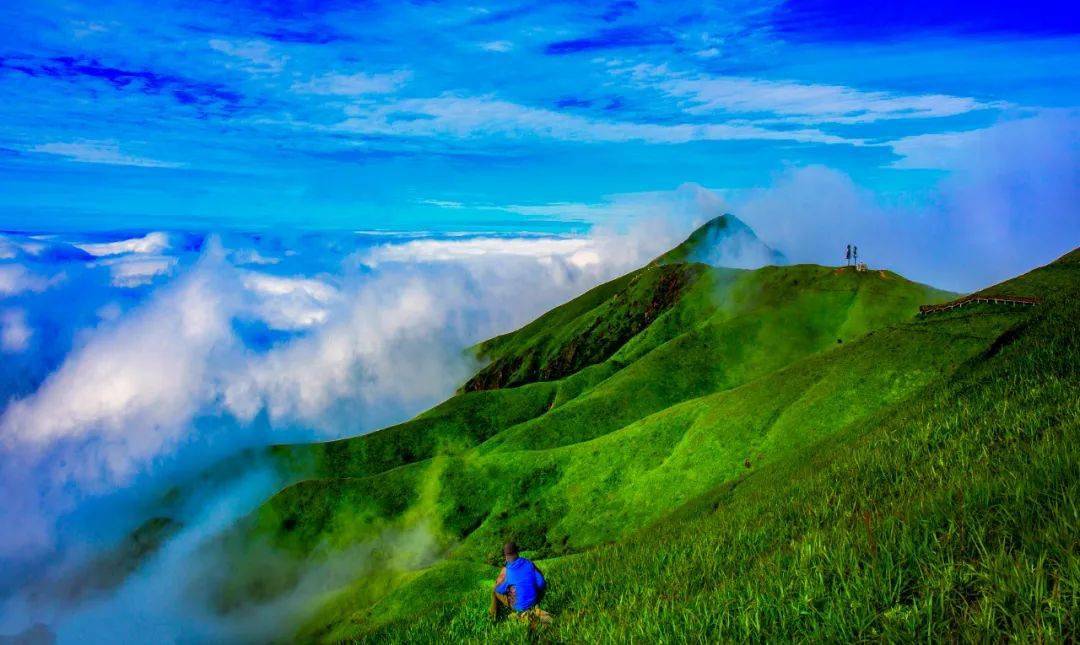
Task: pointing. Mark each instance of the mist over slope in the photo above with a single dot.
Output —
(132, 362)
(601, 418)
(592, 327)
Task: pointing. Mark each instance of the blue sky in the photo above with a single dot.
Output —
(516, 115)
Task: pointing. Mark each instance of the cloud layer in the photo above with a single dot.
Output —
(356, 114)
(1009, 203)
(234, 333)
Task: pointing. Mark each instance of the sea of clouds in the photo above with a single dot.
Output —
(134, 361)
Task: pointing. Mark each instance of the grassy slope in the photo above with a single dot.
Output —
(949, 513)
(459, 423)
(676, 410)
(728, 325)
(590, 328)
(756, 322)
(585, 331)
(743, 369)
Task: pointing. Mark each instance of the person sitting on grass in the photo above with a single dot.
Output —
(519, 586)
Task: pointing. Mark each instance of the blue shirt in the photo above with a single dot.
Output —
(527, 582)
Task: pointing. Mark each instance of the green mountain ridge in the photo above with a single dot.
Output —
(585, 331)
(590, 328)
(787, 453)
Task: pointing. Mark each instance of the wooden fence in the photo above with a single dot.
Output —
(1024, 301)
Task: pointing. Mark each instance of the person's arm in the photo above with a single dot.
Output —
(501, 587)
(540, 582)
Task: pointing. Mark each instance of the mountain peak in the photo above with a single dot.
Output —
(724, 241)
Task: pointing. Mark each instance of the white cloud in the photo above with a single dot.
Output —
(155, 242)
(132, 386)
(497, 46)
(30, 247)
(289, 303)
(680, 205)
(811, 213)
(575, 250)
(935, 151)
(392, 335)
(8, 249)
(1051, 129)
(42, 247)
(15, 334)
(100, 152)
(109, 312)
(273, 285)
(132, 389)
(1011, 200)
(259, 56)
(386, 346)
(356, 84)
(619, 207)
(16, 279)
(799, 102)
(138, 270)
(251, 256)
(443, 203)
(393, 338)
(469, 117)
(84, 28)
(1008, 204)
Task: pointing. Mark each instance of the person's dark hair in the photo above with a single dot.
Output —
(510, 549)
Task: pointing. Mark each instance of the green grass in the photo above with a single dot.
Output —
(576, 335)
(780, 454)
(952, 514)
(452, 426)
